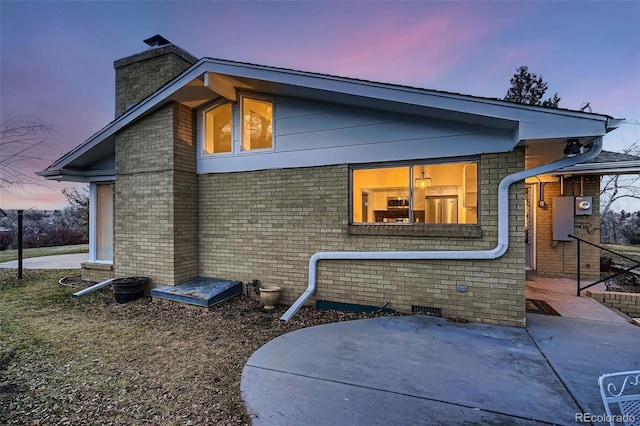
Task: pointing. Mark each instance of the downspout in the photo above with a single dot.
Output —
(498, 251)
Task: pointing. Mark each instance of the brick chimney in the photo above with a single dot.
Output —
(139, 75)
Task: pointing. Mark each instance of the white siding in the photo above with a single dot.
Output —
(312, 134)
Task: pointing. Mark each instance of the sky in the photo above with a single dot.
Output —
(57, 57)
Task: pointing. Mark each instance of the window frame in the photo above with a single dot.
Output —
(204, 130)
(257, 97)
(93, 222)
(411, 164)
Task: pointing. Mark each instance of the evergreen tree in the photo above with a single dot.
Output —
(527, 88)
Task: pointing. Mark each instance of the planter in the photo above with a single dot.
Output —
(605, 264)
(128, 289)
(269, 296)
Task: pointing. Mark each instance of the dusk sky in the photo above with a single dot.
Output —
(57, 57)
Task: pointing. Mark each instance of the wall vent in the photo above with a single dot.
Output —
(426, 310)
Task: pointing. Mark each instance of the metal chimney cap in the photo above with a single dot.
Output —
(157, 41)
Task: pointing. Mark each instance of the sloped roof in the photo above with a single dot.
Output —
(613, 157)
(607, 162)
(526, 121)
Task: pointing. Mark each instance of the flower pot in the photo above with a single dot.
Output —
(269, 296)
(128, 289)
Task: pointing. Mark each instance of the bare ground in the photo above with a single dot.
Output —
(89, 360)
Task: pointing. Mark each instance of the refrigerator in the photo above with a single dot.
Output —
(441, 209)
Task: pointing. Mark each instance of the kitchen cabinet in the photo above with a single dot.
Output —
(418, 199)
(470, 186)
(437, 191)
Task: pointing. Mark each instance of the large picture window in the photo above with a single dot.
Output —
(425, 193)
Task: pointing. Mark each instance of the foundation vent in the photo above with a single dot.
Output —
(426, 310)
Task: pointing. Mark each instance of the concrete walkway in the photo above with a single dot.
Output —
(59, 261)
(560, 293)
(425, 370)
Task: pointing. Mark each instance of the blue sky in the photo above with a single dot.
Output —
(57, 57)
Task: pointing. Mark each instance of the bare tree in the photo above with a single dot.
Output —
(79, 202)
(22, 141)
(614, 188)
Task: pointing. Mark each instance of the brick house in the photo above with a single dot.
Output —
(217, 168)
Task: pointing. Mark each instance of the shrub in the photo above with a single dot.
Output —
(7, 240)
(54, 237)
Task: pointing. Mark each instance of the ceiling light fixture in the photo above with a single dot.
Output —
(421, 182)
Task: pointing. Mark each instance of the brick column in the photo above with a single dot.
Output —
(155, 212)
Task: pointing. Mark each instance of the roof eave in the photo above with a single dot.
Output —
(626, 167)
(466, 104)
(66, 175)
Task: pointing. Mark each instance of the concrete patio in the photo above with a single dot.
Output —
(426, 370)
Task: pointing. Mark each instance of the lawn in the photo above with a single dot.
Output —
(89, 360)
(7, 255)
(630, 251)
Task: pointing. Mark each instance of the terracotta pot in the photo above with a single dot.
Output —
(269, 296)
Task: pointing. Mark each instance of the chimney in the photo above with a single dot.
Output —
(140, 75)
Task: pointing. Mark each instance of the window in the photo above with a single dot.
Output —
(102, 241)
(257, 124)
(424, 193)
(218, 130)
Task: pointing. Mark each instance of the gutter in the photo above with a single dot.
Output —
(497, 252)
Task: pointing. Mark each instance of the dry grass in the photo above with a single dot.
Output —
(88, 360)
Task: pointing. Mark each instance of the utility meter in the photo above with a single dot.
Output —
(584, 206)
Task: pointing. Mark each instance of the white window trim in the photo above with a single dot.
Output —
(93, 224)
(202, 129)
(241, 123)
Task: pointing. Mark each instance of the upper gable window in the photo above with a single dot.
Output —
(257, 123)
(218, 130)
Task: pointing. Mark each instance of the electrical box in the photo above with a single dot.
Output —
(584, 206)
(563, 213)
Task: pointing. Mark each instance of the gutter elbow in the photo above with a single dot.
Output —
(499, 250)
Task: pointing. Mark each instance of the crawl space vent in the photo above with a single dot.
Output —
(426, 310)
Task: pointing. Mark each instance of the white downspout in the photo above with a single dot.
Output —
(498, 251)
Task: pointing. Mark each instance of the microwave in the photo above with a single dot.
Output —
(397, 203)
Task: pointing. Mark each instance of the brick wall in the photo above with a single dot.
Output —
(97, 271)
(155, 212)
(139, 75)
(558, 259)
(627, 303)
(266, 225)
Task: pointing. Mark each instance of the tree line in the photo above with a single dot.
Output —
(48, 228)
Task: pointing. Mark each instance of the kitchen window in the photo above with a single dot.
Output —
(415, 194)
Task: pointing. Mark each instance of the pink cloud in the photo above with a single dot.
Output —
(35, 196)
(404, 45)
(432, 45)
